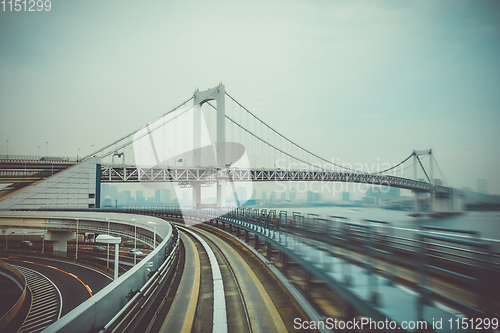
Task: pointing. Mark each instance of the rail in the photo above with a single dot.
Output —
(219, 312)
(129, 316)
(38, 159)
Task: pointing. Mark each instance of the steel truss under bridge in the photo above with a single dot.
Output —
(111, 174)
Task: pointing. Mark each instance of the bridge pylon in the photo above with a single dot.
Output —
(218, 94)
(430, 178)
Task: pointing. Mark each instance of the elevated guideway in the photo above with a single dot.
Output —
(367, 284)
(100, 308)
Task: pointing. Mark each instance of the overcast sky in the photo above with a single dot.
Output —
(359, 81)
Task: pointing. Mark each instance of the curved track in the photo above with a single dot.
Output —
(216, 276)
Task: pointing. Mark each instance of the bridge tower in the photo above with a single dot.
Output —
(430, 177)
(200, 97)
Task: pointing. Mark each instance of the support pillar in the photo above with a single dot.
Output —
(415, 209)
(415, 176)
(246, 236)
(433, 191)
(196, 195)
(269, 252)
(221, 196)
(117, 249)
(60, 241)
(257, 242)
(284, 261)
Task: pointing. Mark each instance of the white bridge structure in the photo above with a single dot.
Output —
(207, 145)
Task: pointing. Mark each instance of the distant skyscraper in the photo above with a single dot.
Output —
(345, 196)
(104, 190)
(313, 197)
(126, 197)
(283, 196)
(166, 196)
(273, 196)
(104, 194)
(157, 196)
(241, 192)
(139, 197)
(264, 198)
(292, 194)
(113, 193)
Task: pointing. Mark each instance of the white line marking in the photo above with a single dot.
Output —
(58, 291)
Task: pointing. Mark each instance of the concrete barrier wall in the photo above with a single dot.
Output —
(100, 308)
(104, 305)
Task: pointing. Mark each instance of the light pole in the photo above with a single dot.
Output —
(107, 262)
(135, 240)
(77, 151)
(76, 253)
(154, 239)
(38, 152)
(47, 150)
(7, 148)
(113, 240)
(43, 243)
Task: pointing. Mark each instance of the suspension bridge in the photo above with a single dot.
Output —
(198, 144)
(212, 140)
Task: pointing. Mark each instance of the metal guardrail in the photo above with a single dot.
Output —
(478, 278)
(129, 315)
(38, 159)
(14, 274)
(374, 240)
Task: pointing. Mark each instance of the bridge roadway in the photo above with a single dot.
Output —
(27, 171)
(113, 173)
(76, 283)
(56, 286)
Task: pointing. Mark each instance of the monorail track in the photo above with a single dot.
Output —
(250, 300)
